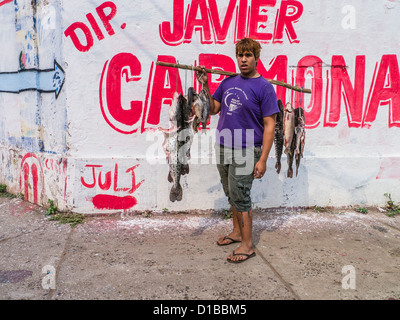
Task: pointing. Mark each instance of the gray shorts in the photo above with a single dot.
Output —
(236, 169)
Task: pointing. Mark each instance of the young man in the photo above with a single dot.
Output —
(248, 105)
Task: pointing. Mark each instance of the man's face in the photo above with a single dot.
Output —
(247, 63)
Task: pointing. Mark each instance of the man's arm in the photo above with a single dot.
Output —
(268, 139)
(215, 106)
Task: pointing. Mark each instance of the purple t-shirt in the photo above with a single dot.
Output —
(244, 104)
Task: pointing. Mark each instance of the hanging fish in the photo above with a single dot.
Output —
(177, 142)
(278, 139)
(288, 126)
(185, 133)
(175, 113)
(175, 167)
(289, 139)
(290, 156)
(300, 136)
(201, 110)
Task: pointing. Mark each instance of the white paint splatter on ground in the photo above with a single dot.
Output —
(283, 220)
(162, 224)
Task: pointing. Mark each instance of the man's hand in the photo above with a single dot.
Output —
(202, 76)
(260, 169)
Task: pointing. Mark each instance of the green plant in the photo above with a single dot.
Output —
(319, 209)
(146, 214)
(70, 218)
(362, 210)
(4, 193)
(227, 215)
(392, 208)
(52, 208)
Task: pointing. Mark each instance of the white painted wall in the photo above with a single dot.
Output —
(351, 155)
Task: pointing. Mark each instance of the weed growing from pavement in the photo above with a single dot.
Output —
(392, 208)
(5, 194)
(64, 218)
(52, 208)
(319, 209)
(361, 210)
(68, 218)
(146, 214)
(227, 215)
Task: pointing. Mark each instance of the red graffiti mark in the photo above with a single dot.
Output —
(31, 164)
(109, 202)
(35, 179)
(389, 169)
(58, 167)
(26, 181)
(2, 3)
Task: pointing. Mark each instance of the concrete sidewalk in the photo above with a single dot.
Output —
(300, 255)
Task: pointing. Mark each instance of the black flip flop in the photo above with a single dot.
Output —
(242, 254)
(227, 244)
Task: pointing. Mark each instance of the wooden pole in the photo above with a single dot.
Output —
(230, 74)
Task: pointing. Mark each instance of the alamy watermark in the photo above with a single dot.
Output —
(349, 279)
(49, 280)
(349, 21)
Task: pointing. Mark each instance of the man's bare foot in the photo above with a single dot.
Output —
(229, 239)
(241, 254)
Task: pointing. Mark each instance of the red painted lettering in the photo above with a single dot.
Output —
(90, 185)
(122, 66)
(312, 66)
(95, 26)
(202, 24)
(353, 97)
(174, 37)
(71, 32)
(251, 21)
(258, 20)
(166, 82)
(221, 30)
(277, 71)
(385, 90)
(107, 18)
(219, 62)
(288, 14)
(241, 21)
(107, 184)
